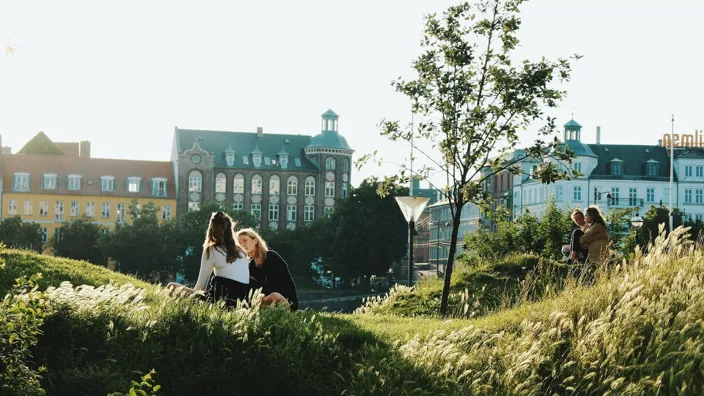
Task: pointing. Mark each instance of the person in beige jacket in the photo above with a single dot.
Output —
(596, 239)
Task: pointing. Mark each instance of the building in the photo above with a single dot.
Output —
(52, 189)
(441, 231)
(421, 243)
(284, 180)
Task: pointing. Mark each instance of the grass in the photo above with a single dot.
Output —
(638, 329)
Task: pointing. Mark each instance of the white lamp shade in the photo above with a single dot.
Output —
(412, 207)
(636, 221)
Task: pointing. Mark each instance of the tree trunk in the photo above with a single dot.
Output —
(450, 261)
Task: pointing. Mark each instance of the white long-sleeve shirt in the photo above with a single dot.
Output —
(237, 270)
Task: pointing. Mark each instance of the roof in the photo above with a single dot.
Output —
(330, 114)
(689, 153)
(329, 139)
(41, 144)
(69, 148)
(572, 124)
(580, 149)
(244, 143)
(90, 169)
(634, 158)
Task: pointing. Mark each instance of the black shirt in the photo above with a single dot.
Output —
(273, 276)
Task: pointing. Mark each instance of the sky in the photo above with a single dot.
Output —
(124, 74)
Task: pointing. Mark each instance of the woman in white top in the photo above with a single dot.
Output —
(223, 255)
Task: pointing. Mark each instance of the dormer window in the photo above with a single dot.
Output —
(21, 181)
(616, 167)
(283, 161)
(651, 168)
(134, 184)
(107, 183)
(159, 187)
(257, 160)
(49, 181)
(73, 182)
(230, 158)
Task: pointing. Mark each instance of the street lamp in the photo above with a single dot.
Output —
(411, 207)
(636, 221)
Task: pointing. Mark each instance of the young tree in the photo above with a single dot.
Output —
(79, 240)
(474, 101)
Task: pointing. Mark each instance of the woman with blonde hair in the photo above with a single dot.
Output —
(267, 270)
(226, 258)
(596, 239)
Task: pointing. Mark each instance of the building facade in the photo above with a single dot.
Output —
(284, 180)
(441, 231)
(53, 189)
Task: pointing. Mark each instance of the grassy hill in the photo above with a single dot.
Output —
(638, 330)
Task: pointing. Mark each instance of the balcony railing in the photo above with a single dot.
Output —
(625, 202)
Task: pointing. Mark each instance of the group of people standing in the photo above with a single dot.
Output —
(589, 242)
(241, 262)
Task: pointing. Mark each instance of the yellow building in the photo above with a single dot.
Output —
(52, 189)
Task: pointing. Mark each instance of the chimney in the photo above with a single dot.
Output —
(84, 149)
(598, 135)
(260, 131)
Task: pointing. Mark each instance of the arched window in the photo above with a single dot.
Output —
(310, 186)
(195, 181)
(330, 163)
(346, 165)
(238, 184)
(274, 185)
(220, 183)
(292, 185)
(256, 184)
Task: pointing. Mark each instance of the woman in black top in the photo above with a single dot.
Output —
(267, 270)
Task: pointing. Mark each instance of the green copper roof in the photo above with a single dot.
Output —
(230, 149)
(572, 124)
(244, 143)
(330, 114)
(329, 139)
(580, 149)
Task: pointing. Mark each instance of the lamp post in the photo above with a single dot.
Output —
(636, 221)
(411, 207)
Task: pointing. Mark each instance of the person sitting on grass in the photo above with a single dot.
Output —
(574, 251)
(596, 239)
(226, 258)
(268, 270)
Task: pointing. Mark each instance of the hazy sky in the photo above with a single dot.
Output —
(123, 74)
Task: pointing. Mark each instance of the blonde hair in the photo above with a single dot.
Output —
(260, 251)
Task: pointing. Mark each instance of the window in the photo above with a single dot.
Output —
(105, 213)
(292, 185)
(49, 181)
(44, 233)
(700, 171)
(59, 211)
(329, 189)
(193, 206)
(237, 206)
(90, 209)
(256, 184)
(308, 213)
(12, 207)
(297, 161)
(245, 160)
(43, 208)
(344, 190)
(578, 167)
(273, 212)
(698, 196)
(230, 158)
(346, 165)
(283, 161)
(166, 212)
(257, 211)
(257, 160)
(238, 184)
(615, 192)
(28, 208)
(577, 193)
(121, 213)
(328, 212)
(558, 193)
(134, 184)
(107, 183)
(220, 183)
(291, 212)
(75, 209)
(617, 168)
(159, 187)
(688, 171)
(310, 186)
(195, 181)
(688, 196)
(74, 182)
(330, 163)
(652, 170)
(632, 197)
(21, 182)
(650, 195)
(274, 185)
